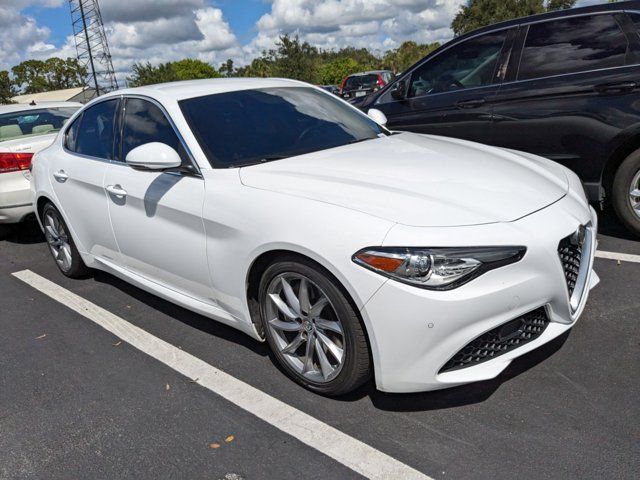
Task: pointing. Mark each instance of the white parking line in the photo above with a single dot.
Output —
(623, 257)
(352, 453)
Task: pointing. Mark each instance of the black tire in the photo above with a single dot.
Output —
(627, 171)
(77, 269)
(356, 367)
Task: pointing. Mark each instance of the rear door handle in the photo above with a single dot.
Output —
(116, 190)
(475, 103)
(61, 176)
(619, 87)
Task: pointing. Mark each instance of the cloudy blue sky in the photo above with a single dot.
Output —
(214, 30)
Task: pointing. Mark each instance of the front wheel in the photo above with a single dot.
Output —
(313, 330)
(61, 245)
(626, 192)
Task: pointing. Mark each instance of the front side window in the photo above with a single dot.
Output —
(572, 45)
(469, 64)
(252, 126)
(95, 132)
(145, 122)
(33, 122)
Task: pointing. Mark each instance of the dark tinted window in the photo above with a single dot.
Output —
(572, 45)
(250, 126)
(33, 122)
(95, 134)
(471, 63)
(361, 81)
(635, 18)
(144, 122)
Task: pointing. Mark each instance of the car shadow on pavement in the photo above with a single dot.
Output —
(608, 224)
(457, 396)
(192, 319)
(25, 233)
(441, 399)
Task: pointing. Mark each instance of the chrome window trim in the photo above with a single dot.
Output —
(520, 25)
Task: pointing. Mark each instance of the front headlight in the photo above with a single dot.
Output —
(436, 268)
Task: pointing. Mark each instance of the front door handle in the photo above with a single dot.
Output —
(116, 191)
(475, 103)
(619, 87)
(61, 176)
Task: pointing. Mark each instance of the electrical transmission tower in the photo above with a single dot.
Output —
(91, 45)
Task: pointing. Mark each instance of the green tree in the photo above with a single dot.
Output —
(479, 13)
(406, 55)
(186, 69)
(295, 59)
(7, 89)
(34, 76)
(192, 69)
(227, 69)
(334, 71)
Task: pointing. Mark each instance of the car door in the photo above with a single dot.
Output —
(452, 92)
(157, 216)
(77, 176)
(571, 88)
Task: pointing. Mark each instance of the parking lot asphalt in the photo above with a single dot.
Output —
(77, 402)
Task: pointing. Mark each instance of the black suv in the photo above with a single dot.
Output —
(564, 85)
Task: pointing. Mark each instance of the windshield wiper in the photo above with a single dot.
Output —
(265, 159)
(271, 158)
(358, 140)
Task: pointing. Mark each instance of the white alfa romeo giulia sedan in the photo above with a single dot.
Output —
(280, 210)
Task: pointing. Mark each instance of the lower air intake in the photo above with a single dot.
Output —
(500, 340)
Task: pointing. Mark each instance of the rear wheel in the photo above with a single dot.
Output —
(61, 245)
(312, 328)
(626, 192)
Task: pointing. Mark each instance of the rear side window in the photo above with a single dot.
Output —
(144, 122)
(572, 45)
(361, 81)
(33, 122)
(94, 135)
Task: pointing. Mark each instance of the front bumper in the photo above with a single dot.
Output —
(415, 332)
(15, 197)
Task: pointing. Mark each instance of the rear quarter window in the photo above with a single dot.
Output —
(573, 45)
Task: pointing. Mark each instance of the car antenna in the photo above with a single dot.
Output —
(33, 103)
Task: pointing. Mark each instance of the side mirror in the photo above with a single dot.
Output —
(399, 90)
(377, 116)
(153, 156)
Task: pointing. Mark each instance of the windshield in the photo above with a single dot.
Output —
(253, 126)
(33, 122)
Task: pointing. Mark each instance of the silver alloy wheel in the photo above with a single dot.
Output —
(634, 194)
(58, 240)
(305, 327)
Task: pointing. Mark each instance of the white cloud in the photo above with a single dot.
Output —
(375, 24)
(165, 30)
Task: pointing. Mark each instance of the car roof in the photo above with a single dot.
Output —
(198, 88)
(603, 7)
(25, 107)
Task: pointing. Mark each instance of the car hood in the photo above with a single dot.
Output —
(418, 180)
